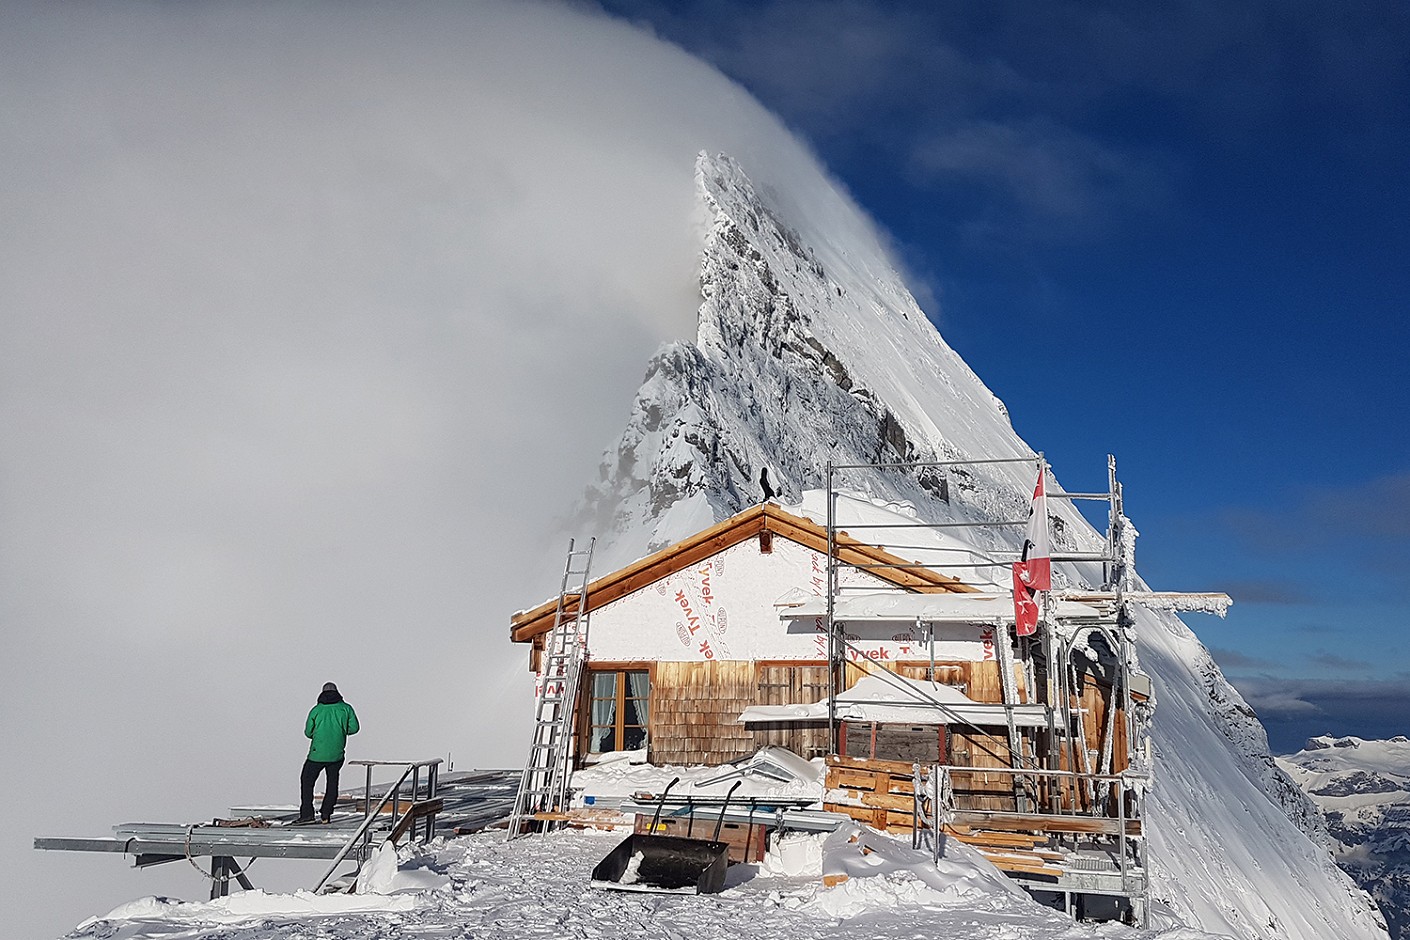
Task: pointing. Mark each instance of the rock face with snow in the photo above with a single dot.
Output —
(768, 390)
(810, 351)
(1363, 789)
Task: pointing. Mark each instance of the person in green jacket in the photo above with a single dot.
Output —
(328, 726)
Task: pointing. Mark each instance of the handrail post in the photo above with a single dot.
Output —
(1121, 817)
(364, 832)
(917, 800)
(433, 776)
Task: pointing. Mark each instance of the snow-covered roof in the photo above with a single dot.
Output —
(898, 700)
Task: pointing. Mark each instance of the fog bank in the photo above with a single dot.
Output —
(314, 319)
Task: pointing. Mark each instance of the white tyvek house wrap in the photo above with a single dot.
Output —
(722, 608)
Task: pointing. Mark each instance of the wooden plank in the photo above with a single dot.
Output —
(1039, 822)
(888, 801)
(874, 766)
(856, 812)
(1023, 866)
(840, 777)
(416, 813)
(971, 837)
(1044, 855)
(876, 818)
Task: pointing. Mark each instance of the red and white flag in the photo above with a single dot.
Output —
(1033, 572)
(1025, 606)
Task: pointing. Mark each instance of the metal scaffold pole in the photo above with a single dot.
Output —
(834, 648)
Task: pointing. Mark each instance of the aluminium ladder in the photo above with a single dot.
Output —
(544, 786)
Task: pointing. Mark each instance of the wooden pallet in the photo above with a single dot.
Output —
(879, 793)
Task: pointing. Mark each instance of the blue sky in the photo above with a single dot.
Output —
(1175, 232)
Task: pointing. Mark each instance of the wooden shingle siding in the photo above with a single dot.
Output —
(695, 709)
(974, 789)
(953, 674)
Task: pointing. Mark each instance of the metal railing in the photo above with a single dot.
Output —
(361, 839)
(1130, 848)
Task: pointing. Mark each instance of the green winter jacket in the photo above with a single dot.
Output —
(328, 726)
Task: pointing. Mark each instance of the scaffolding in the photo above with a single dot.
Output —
(1061, 776)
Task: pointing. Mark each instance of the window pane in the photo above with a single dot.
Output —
(603, 717)
(637, 706)
(618, 706)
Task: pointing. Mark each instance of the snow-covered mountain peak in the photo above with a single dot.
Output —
(810, 351)
(805, 355)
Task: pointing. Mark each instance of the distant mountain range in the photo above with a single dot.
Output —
(1363, 790)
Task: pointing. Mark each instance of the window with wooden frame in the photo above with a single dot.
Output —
(619, 710)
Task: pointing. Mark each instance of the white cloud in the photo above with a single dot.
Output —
(312, 320)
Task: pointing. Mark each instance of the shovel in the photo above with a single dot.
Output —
(667, 864)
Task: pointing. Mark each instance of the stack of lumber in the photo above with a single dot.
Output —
(879, 793)
(1011, 851)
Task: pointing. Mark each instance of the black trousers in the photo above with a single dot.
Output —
(312, 768)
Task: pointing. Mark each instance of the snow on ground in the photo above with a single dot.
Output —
(538, 888)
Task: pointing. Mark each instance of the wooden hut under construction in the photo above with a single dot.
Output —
(900, 666)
